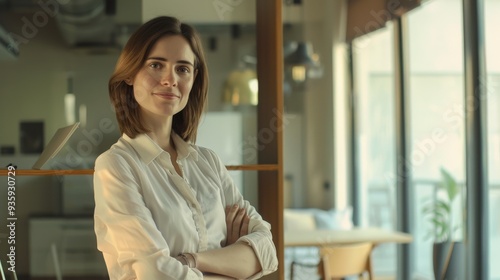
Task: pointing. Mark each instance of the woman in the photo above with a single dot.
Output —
(166, 208)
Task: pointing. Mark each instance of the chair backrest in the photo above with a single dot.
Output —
(346, 260)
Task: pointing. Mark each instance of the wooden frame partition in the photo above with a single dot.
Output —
(270, 112)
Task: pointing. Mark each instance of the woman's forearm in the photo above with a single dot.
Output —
(217, 277)
(237, 260)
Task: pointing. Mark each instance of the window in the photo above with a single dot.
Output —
(492, 10)
(436, 128)
(436, 124)
(375, 138)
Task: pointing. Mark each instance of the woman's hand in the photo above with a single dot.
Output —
(235, 260)
(237, 223)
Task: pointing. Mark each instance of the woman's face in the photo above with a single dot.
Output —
(162, 85)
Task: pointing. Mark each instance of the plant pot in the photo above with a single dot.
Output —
(448, 261)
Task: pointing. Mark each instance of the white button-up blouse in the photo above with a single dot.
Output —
(146, 214)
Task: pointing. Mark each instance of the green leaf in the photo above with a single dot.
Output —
(439, 223)
(445, 205)
(438, 210)
(449, 184)
(442, 233)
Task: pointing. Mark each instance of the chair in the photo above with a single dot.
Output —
(342, 261)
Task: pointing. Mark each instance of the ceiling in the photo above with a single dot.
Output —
(85, 23)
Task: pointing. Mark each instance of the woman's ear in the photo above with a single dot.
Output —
(128, 81)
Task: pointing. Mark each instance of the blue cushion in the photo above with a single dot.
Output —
(334, 218)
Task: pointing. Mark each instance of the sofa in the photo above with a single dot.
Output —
(311, 219)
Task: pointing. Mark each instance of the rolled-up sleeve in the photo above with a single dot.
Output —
(126, 232)
(259, 236)
(261, 240)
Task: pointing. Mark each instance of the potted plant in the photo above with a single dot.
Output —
(447, 252)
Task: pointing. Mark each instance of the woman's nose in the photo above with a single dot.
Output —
(169, 78)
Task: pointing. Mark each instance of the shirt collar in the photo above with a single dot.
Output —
(184, 149)
(148, 149)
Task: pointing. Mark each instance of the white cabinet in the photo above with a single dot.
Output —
(75, 248)
(222, 132)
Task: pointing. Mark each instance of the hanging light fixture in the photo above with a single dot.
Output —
(241, 87)
(302, 55)
(301, 60)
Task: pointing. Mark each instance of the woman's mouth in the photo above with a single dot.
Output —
(166, 95)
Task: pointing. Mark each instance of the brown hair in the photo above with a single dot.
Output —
(132, 58)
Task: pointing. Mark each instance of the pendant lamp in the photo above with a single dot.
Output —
(300, 61)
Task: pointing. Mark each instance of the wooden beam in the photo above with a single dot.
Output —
(32, 172)
(270, 112)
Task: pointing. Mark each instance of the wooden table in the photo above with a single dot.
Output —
(338, 237)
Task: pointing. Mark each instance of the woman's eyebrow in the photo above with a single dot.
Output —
(164, 59)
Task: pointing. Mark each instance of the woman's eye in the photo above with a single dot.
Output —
(184, 69)
(155, 65)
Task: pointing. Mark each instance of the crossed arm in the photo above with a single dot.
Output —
(122, 219)
(236, 259)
